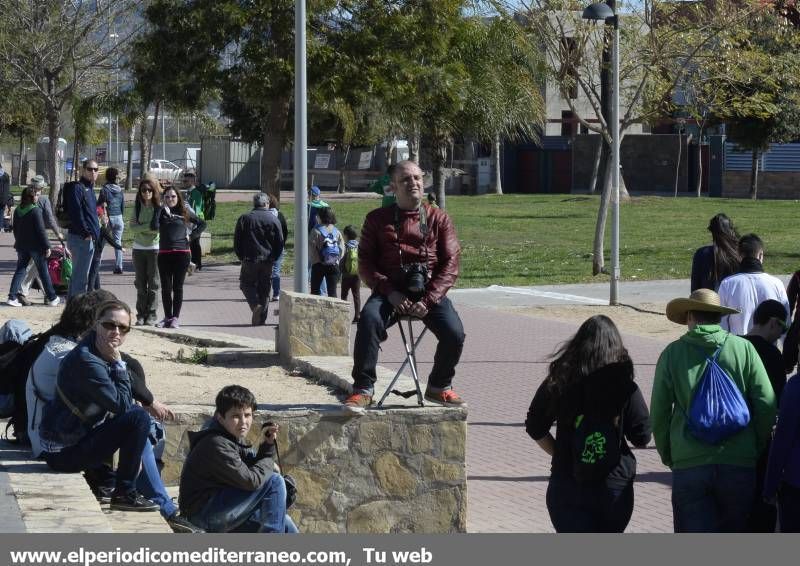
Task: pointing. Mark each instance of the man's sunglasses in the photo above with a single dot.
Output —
(111, 325)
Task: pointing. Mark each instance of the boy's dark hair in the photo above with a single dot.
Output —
(350, 232)
(767, 310)
(234, 396)
(750, 245)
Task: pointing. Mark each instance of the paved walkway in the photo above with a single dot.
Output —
(503, 363)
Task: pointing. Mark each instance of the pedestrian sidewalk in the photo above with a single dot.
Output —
(504, 361)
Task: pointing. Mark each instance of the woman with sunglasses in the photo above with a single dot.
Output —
(173, 222)
(145, 249)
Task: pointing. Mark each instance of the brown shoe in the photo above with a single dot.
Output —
(448, 398)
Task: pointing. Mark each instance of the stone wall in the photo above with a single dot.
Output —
(312, 325)
(393, 470)
(771, 184)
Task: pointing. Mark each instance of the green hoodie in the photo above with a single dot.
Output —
(144, 237)
(23, 210)
(677, 373)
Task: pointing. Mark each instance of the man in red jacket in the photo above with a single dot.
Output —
(408, 255)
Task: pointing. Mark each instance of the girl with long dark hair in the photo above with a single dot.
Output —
(172, 222)
(711, 264)
(145, 249)
(590, 376)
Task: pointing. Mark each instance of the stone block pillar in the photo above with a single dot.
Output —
(311, 325)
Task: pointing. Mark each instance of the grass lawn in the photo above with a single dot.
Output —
(540, 239)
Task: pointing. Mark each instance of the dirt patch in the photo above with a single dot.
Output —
(646, 320)
(177, 383)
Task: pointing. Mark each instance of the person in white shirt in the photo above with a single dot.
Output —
(749, 287)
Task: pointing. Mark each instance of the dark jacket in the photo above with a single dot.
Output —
(29, 232)
(772, 359)
(217, 460)
(379, 259)
(93, 386)
(172, 230)
(5, 190)
(81, 206)
(606, 393)
(111, 194)
(258, 236)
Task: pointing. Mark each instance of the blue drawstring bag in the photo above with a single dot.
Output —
(717, 409)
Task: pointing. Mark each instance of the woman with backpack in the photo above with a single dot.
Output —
(145, 249)
(173, 222)
(590, 394)
(325, 250)
(711, 264)
(31, 243)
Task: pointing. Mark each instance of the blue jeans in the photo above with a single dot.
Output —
(376, 316)
(82, 254)
(276, 275)
(23, 258)
(126, 432)
(713, 498)
(117, 225)
(150, 485)
(581, 508)
(236, 510)
(94, 268)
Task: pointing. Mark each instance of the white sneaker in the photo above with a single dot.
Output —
(191, 268)
(13, 303)
(54, 303)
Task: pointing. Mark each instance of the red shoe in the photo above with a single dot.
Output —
(448, 398)
(357, 402)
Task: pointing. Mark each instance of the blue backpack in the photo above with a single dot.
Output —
(330, 252)
(717, 409)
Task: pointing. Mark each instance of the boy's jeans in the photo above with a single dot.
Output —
(117, 225)
(237, 510)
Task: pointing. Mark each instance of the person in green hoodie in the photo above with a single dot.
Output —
(145, 250)
(713, 486)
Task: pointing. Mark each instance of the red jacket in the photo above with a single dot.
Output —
(379, 255)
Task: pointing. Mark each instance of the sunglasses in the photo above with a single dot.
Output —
(95, 169)
(111, 325)
(147, 190)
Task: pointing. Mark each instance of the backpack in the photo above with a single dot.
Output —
(15, 362)
(596, 447)
(351, 260)
(330, 252)
(62, 214)
(717, 409)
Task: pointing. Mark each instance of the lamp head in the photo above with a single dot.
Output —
(598, 11)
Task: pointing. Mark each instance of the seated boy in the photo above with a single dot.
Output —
(226, 485)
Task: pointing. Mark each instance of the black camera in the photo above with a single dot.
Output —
(415, 275)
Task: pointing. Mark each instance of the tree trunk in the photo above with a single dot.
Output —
(129, 161)
(144, 149)
(413, 148)
(754, 176)
(53, 170)
(342, 188)
(598, 155)
(439, 155)
(603, 167)
(21, 160)
(390, 145)
(598, 259)
(678, 163)
(152, 134)
(272, 147)
(699, 181)
(497, 184)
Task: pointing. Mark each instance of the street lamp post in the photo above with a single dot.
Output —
(605, 13)
(300, 153)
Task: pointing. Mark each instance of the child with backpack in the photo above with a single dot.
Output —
(325, 250)
(591, 395)
(349, 269)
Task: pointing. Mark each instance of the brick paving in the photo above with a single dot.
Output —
(503, 363)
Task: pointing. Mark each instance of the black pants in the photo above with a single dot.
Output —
(581, 508)
(197, 254)
(172, 270)
(377, 316)
(255, 279)
(352, 283)
(331, 275)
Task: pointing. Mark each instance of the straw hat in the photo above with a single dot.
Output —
(704, 300)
